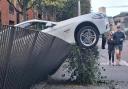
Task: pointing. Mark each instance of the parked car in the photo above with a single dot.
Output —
(83, 30)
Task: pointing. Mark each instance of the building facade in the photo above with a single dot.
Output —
(8, 15)
(122, 18)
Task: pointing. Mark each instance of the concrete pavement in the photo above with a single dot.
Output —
(117, 74)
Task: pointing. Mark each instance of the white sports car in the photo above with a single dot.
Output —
(83, 30)
(31, 56)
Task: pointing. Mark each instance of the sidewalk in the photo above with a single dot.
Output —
(103, 54)
(116, 73)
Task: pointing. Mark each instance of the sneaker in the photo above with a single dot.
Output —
(113, 64)
(117, 64)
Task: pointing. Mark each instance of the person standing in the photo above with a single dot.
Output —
(118, 38)
(111, 48)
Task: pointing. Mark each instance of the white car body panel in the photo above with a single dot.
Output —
(33, 20)
(65, 30)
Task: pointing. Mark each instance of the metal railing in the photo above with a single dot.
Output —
(28, 56)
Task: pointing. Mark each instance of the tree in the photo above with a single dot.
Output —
(50, 8)
(56, 3)
(22, 6)
(68, 11)
(84, 63)
(71, 9)
(85, 6)
(39, 7)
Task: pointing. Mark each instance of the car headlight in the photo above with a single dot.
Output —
(98, 16)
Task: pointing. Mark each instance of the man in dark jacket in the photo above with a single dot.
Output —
(118, 38)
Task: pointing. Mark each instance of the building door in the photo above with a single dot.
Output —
(11, 22)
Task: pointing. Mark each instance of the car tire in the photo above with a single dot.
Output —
(87, 36)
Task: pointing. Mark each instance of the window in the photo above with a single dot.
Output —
(11, 22)
(39, 16)
(11, 8)
(35, 25)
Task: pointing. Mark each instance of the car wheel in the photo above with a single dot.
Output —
(87, 36)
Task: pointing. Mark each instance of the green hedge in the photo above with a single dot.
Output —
(85, 63)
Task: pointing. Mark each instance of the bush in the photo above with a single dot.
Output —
(84, 62)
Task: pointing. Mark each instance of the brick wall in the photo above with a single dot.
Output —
(6, 17)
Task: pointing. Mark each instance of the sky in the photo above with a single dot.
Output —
(111, 10)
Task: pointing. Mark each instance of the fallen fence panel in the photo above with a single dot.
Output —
(28, 57)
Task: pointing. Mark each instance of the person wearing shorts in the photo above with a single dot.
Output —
(118, 38)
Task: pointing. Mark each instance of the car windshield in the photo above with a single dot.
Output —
(35, 25)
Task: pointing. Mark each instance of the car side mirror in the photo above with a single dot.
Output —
(49, 24)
